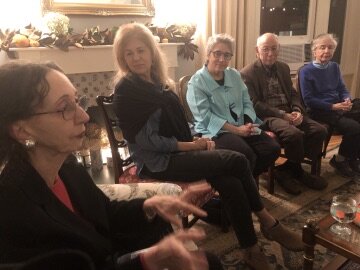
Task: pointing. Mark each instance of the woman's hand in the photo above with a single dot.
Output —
(346, 106)
(210, 145)
(244, 130)
(171, 253)
(195, 193)
(172, 208)
(200, 143)
(197, 144)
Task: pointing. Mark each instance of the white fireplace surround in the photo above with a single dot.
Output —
(90, 69)
(90, 58)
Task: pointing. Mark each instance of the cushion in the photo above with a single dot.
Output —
(129, 176)
(139, 190)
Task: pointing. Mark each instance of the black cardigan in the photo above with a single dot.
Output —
(33, 221)
(136, 100)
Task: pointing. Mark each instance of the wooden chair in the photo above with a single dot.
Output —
(124, 169)
(183, 82)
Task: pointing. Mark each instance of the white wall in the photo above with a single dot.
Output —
(350, 49)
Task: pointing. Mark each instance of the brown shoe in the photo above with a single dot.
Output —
(256, 259)
(285, 237)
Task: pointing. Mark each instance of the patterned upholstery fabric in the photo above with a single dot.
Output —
(131, 191)
(130, 177)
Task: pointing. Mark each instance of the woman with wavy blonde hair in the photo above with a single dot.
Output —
(158, 65)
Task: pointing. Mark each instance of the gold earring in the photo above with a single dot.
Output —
(29, 143)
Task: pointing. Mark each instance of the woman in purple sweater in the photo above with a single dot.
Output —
(327, 99)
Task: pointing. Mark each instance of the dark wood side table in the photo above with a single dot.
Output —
(319, 233)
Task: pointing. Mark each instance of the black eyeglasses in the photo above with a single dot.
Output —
(217, 54)
(69, 111)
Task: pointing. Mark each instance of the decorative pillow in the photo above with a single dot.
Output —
(130, 177)
(131, 191)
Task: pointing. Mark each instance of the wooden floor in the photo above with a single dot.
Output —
(334, 142)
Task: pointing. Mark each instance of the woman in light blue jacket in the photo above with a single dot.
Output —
(223, 111)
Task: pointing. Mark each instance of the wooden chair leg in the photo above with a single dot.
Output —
(185, 222)
(316, 166)
(224, 220)
(326, 141)
(257, 181)
(318, 171)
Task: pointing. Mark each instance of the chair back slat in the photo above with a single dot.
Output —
(105, 104)
(183, 83)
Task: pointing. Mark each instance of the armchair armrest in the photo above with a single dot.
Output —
(139, 190)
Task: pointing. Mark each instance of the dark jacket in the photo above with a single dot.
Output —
(33, 221)
(135, 100)
(255, 80)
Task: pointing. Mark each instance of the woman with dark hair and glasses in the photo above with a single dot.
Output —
(49, 204)
(153, 122)
(222, 109)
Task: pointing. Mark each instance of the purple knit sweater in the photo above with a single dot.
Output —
(322, 87)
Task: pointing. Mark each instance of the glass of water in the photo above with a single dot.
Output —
(343, 210)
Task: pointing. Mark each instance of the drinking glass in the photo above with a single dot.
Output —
(343, 210)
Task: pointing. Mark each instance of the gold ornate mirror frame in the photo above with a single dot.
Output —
(100, 7)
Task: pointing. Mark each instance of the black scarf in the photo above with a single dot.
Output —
(135, 100)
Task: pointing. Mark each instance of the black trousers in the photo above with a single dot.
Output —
(261, 150)
(305, 140)
(229, 173)
(348, 125)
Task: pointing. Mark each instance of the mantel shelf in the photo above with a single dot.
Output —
(88, 59)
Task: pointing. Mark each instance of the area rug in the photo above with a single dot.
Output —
(292, 211)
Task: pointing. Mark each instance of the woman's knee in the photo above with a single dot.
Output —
(234, 158)
(237, 144)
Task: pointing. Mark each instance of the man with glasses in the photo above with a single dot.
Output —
(278, 104)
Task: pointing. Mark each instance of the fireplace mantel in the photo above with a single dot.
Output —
(89, 59)
(90, 69)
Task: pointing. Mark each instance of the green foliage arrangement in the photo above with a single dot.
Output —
(59, 34)
(178, 33)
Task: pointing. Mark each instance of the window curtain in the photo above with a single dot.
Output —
(355, 89)
(223, 17)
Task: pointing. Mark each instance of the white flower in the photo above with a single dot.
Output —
(57, 23)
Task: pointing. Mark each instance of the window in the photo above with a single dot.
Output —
(284, 17)
(294, 22)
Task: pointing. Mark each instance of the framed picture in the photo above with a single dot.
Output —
(100, 7)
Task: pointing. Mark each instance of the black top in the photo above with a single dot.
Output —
(135, 100)
(34, 221)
